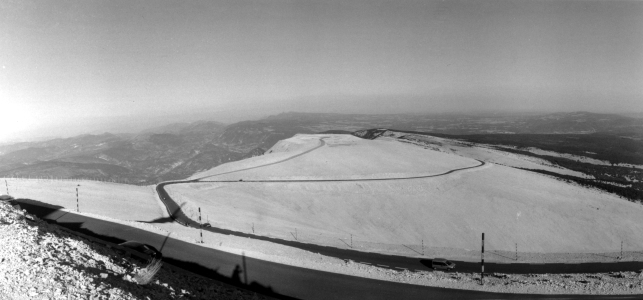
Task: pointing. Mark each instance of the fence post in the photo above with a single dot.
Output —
(77, 205)
(482, 262)
(200, 226)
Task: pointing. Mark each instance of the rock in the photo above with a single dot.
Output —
(103, 275)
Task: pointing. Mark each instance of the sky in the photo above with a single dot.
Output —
(71, 67)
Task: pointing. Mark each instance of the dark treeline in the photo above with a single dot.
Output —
(629, 193)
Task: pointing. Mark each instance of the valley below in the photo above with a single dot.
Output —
(393, 192)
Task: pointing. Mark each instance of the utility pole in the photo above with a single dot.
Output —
(516, 251)
(422, 247)
(200, 225)
(7, 185)
(482, 262)
(621, 245)
(351, 240)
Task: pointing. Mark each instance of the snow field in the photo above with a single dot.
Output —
(539, 213)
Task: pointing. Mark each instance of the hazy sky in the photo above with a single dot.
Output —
(73, 66)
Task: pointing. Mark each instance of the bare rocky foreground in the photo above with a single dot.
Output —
(41, 261)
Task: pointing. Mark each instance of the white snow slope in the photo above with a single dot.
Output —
(539, 213)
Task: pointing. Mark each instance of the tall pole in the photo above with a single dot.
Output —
(422, 247)
(200, 225)
(482, 262)
(77, 205)
(7, 185)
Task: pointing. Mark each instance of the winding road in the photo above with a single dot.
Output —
(394, 262)
(289, 282)
(268, 278)
(321, 144)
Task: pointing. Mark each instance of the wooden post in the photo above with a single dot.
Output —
(200, 225)
(77, 205)
(482, 262)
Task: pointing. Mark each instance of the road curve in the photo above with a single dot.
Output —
(321, 144)
(397, 262)
(387, 261)
(272, 279)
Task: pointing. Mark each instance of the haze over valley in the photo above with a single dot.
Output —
(358, 149)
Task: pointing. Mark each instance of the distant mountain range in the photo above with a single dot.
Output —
(176, 151)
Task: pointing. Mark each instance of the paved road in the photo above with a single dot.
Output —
(401, 262)
(321, 144)
(390, 261)
(274, 279)
(482, 163)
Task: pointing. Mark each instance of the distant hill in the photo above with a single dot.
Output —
(422, 189)
(178, 150)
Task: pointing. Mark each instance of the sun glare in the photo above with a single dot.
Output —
(17, 119)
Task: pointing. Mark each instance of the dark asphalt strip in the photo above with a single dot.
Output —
(393, 261)
(482, 163)
(321, 144)
(272, 279)
(411, 263)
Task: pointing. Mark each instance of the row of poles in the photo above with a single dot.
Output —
(296, 236)
(481, 258)
(77, 201)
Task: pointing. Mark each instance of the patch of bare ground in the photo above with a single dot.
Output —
(41, 261)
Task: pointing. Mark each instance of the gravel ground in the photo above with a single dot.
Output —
(41, 261)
